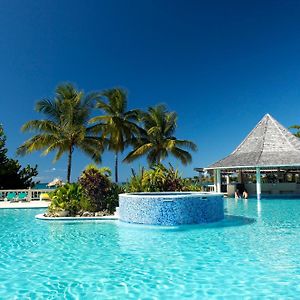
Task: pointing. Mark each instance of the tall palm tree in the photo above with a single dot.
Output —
(297, 133)
(117, 125)
(65, 126)
(158, 141)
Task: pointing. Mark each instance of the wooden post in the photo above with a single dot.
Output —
(240, 176)
(258, 183)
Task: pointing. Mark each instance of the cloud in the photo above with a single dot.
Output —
(52, 170)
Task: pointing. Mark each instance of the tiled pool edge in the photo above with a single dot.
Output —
(105, 218)
(171, 208)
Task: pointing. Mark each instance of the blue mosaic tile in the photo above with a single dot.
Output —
(171, 208)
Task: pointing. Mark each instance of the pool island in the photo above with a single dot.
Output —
(171, 208)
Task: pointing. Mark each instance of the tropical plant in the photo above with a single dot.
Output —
(159, 179)
(65, 127)
(12, 175)
(117, 125)
(67, 197)
(157, 138)
(98, 189)
(297, 133)
(112, 197)
(103, 170)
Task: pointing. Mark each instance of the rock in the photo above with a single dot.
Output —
(86, 214)
(62, 213)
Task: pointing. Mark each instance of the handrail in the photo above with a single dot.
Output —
(33, 194)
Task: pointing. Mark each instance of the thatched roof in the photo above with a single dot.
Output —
(269, 144)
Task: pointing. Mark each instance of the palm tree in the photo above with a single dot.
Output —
(117, 125)
(158, 141)
(297, 133)
(65, 126)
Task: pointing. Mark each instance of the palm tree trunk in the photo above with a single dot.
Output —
(69, 164)
(116, 167)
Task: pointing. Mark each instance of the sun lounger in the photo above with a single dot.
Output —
(11, 197)
(23, 197)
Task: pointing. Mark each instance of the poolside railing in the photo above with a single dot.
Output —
(208, 188)
(33, 194)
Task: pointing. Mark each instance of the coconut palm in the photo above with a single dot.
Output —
(158, 141)
(117, 125)
(65, 126)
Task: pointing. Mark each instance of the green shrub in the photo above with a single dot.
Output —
(66, 197)
(159, 179)
(98, 189)
(112, 197)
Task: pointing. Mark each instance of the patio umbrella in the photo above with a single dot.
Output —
(55, 182)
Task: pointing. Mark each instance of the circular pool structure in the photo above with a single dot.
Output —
(171, 208)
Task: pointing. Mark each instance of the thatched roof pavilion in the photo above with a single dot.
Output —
(268, 146)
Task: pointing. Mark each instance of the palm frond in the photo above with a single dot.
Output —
(41, 126)
(36, 143)
(137, 152)
(184, 156)
(186, 144)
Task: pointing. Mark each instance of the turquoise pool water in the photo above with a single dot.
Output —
(232, 259)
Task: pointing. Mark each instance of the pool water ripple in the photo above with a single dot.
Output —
(253, 253)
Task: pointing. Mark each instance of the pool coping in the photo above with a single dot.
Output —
(24, 205)
(170, 195)
(104, 218)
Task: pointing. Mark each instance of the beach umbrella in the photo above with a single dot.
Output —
(55, 182)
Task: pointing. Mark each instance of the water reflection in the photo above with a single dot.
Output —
(229, 221)
(258, 205)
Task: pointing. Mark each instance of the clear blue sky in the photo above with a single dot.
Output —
(220, 64)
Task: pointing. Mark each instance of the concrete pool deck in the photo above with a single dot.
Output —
(31, 204)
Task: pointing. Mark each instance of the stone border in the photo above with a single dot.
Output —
(104, 218)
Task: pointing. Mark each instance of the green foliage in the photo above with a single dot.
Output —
(68, 197)
(157, 140)
(103, 170)
(94, 192)
(64, 126)
(159, 179)
(98, 189)
(118, 125)
(112, 197)
(297, 130)
(12, 175)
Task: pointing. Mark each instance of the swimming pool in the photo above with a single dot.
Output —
(234, 258)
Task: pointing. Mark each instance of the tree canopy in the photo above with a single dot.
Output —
(12, 175)
(158, 140)
(118, 124)
(65, 127)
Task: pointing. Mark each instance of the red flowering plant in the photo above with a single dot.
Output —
(98, 188)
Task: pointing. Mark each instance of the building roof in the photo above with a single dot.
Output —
(269, 144)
